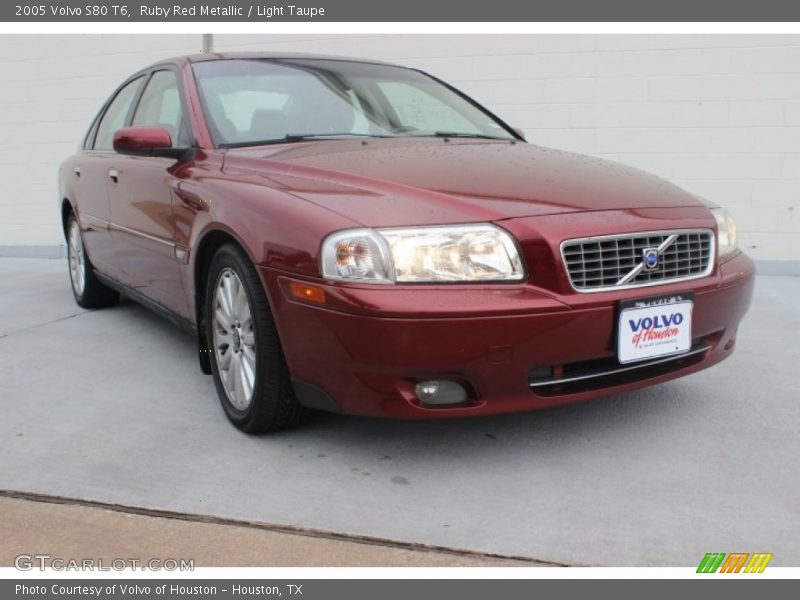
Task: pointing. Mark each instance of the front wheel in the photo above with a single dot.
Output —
(247, 362)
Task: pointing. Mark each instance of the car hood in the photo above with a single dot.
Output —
(407, 181)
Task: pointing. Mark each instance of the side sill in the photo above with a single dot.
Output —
(140, 298)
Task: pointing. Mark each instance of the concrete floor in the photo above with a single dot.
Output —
(111, 406)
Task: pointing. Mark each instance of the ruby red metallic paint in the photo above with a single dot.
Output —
(368, 345)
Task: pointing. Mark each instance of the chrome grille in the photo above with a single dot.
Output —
(618, 261)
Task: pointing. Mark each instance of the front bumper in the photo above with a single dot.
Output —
(367, 348)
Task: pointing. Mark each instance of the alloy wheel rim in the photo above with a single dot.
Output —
(77, 259)
(234, 339)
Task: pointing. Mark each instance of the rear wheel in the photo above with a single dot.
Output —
(249, 369)
(87, 289)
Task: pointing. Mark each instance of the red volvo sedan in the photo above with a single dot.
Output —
(353, 236)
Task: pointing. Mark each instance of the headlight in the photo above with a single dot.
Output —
(467, 253)
(726, 238)
(357, 255)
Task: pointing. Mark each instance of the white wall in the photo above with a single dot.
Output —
(719, 115)
(51, 87)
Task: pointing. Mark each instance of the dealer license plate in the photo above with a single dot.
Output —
(654, 327)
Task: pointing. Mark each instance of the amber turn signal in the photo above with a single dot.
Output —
(304, 291)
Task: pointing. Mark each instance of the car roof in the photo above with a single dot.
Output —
(210, 56)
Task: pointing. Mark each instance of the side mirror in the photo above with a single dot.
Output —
(146, 141)
(519, 132)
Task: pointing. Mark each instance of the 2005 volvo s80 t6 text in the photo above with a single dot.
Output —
(353, 236)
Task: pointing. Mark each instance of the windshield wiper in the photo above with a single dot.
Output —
(459, 134)
(299, 137)
(294, 137)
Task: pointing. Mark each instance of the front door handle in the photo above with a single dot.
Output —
(77, 171)
(113, 175)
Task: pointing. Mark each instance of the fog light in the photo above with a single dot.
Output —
(441, 392)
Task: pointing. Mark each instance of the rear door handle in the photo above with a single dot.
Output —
(77, 171)
(113, 175)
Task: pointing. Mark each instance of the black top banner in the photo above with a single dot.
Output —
(401, 11)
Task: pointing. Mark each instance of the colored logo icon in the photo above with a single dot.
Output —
(737, 562)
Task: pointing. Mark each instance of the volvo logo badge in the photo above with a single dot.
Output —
(650, 258)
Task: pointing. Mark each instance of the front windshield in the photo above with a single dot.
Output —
(256, 101)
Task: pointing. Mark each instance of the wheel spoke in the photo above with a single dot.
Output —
(222, 302)
(227, 288)
(240, 308)
(223, 320)
(249, 360)
(224, 358)
(246, 318)
(222, 339)
(236, 380)
(249, 339)
(248, 376)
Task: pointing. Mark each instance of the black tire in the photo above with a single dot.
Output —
(273, 405)
(87, 289)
